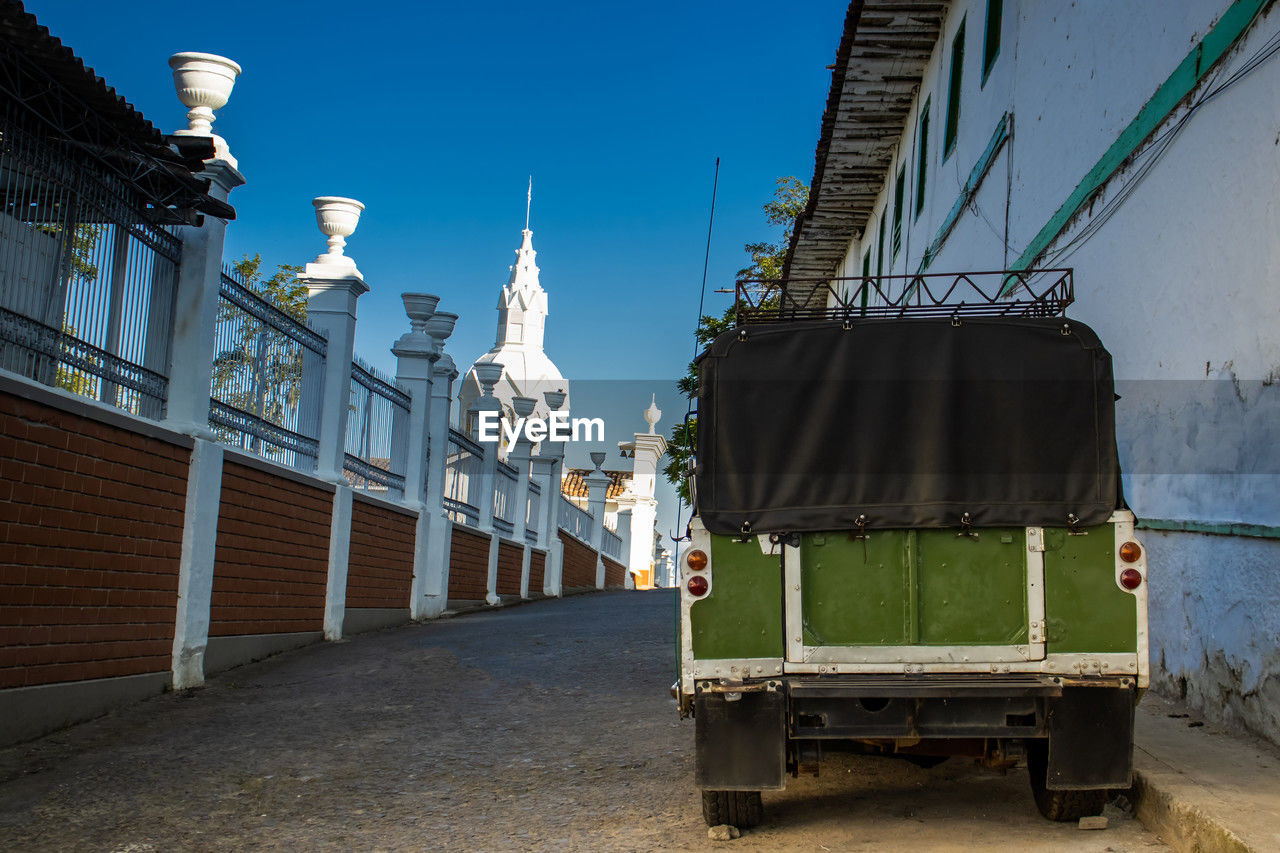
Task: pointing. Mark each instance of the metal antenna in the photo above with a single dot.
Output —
(528, 204)
(702, 298)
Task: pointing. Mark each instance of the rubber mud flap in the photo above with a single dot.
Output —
(1090, 739)
(741, 745)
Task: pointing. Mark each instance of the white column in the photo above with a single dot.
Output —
(190, 367)
(333, 285)
(624, 533)
(550, 463)
(195, 567)
(649, 448)
(203, 83)
(195, 310)
(335, 600)
(526, 566)
(415, 354)
(520, 456)
(431, 558)
(597, 488)
(488, 374)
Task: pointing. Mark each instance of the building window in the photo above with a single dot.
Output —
(922, 158)
(864, 285)
(898, 189)
(880, 250)
(991, 42)
(952, 130)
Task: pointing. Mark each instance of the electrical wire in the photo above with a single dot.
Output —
(1157, 147)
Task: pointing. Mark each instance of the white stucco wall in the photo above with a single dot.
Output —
(1182, 283)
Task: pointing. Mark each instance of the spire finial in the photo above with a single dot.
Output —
(653, 413)
(528, 204)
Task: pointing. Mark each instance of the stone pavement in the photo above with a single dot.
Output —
(540, 727)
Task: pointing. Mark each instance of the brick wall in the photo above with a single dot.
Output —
(380, 565)
(468, 565)
(272, 559)
(510, 567)
(579, 563)
(90, 535)
(615, 574)
(537, 572)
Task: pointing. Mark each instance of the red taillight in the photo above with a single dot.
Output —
(698, 585)
(697, 560)
(1131, 552)
(1130, 578)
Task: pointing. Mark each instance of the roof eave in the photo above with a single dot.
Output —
(854, 149)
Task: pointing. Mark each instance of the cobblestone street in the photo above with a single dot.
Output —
(541, 727)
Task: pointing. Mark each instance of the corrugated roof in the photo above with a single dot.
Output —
(84, 100)
(882, 56)
(574, 486)
(21, 29)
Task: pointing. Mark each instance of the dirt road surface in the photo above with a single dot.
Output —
(540, 727)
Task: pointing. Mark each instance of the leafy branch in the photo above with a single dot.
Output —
(767, 258)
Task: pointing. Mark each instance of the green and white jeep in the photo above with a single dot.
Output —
(910, 541)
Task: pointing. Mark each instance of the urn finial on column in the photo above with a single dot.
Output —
(337, 218)
(440, 327)
(523, 406)
(487, 374)
(204, 82)
(419, 307)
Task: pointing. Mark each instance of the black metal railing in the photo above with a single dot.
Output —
(376, 423)
(268, 371)
(84, 254)
(994, 293)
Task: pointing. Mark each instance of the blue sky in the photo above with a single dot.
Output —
(435, 114)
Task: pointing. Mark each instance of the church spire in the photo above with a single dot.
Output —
(522, 305)
(522, 318)
(524, 273)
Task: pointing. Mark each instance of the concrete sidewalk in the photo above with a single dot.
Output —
(1200, 788)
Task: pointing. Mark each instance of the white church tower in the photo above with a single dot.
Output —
(522, 320)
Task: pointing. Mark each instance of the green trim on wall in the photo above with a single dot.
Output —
(1181, 82)
(1214, 528)
(976, 176)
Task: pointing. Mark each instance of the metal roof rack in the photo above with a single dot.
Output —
(996, 293)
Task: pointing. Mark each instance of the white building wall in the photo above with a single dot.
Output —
(1074, 75)
(1181, 283)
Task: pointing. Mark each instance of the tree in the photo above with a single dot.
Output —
(788, 202)
(259, 369)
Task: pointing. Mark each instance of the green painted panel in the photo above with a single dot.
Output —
(973, 589)
(1084, 609)
(742, 615)
(856, 592)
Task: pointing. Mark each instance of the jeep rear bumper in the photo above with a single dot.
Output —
(743, 730)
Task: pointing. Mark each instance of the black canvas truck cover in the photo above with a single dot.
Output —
(809, 426)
